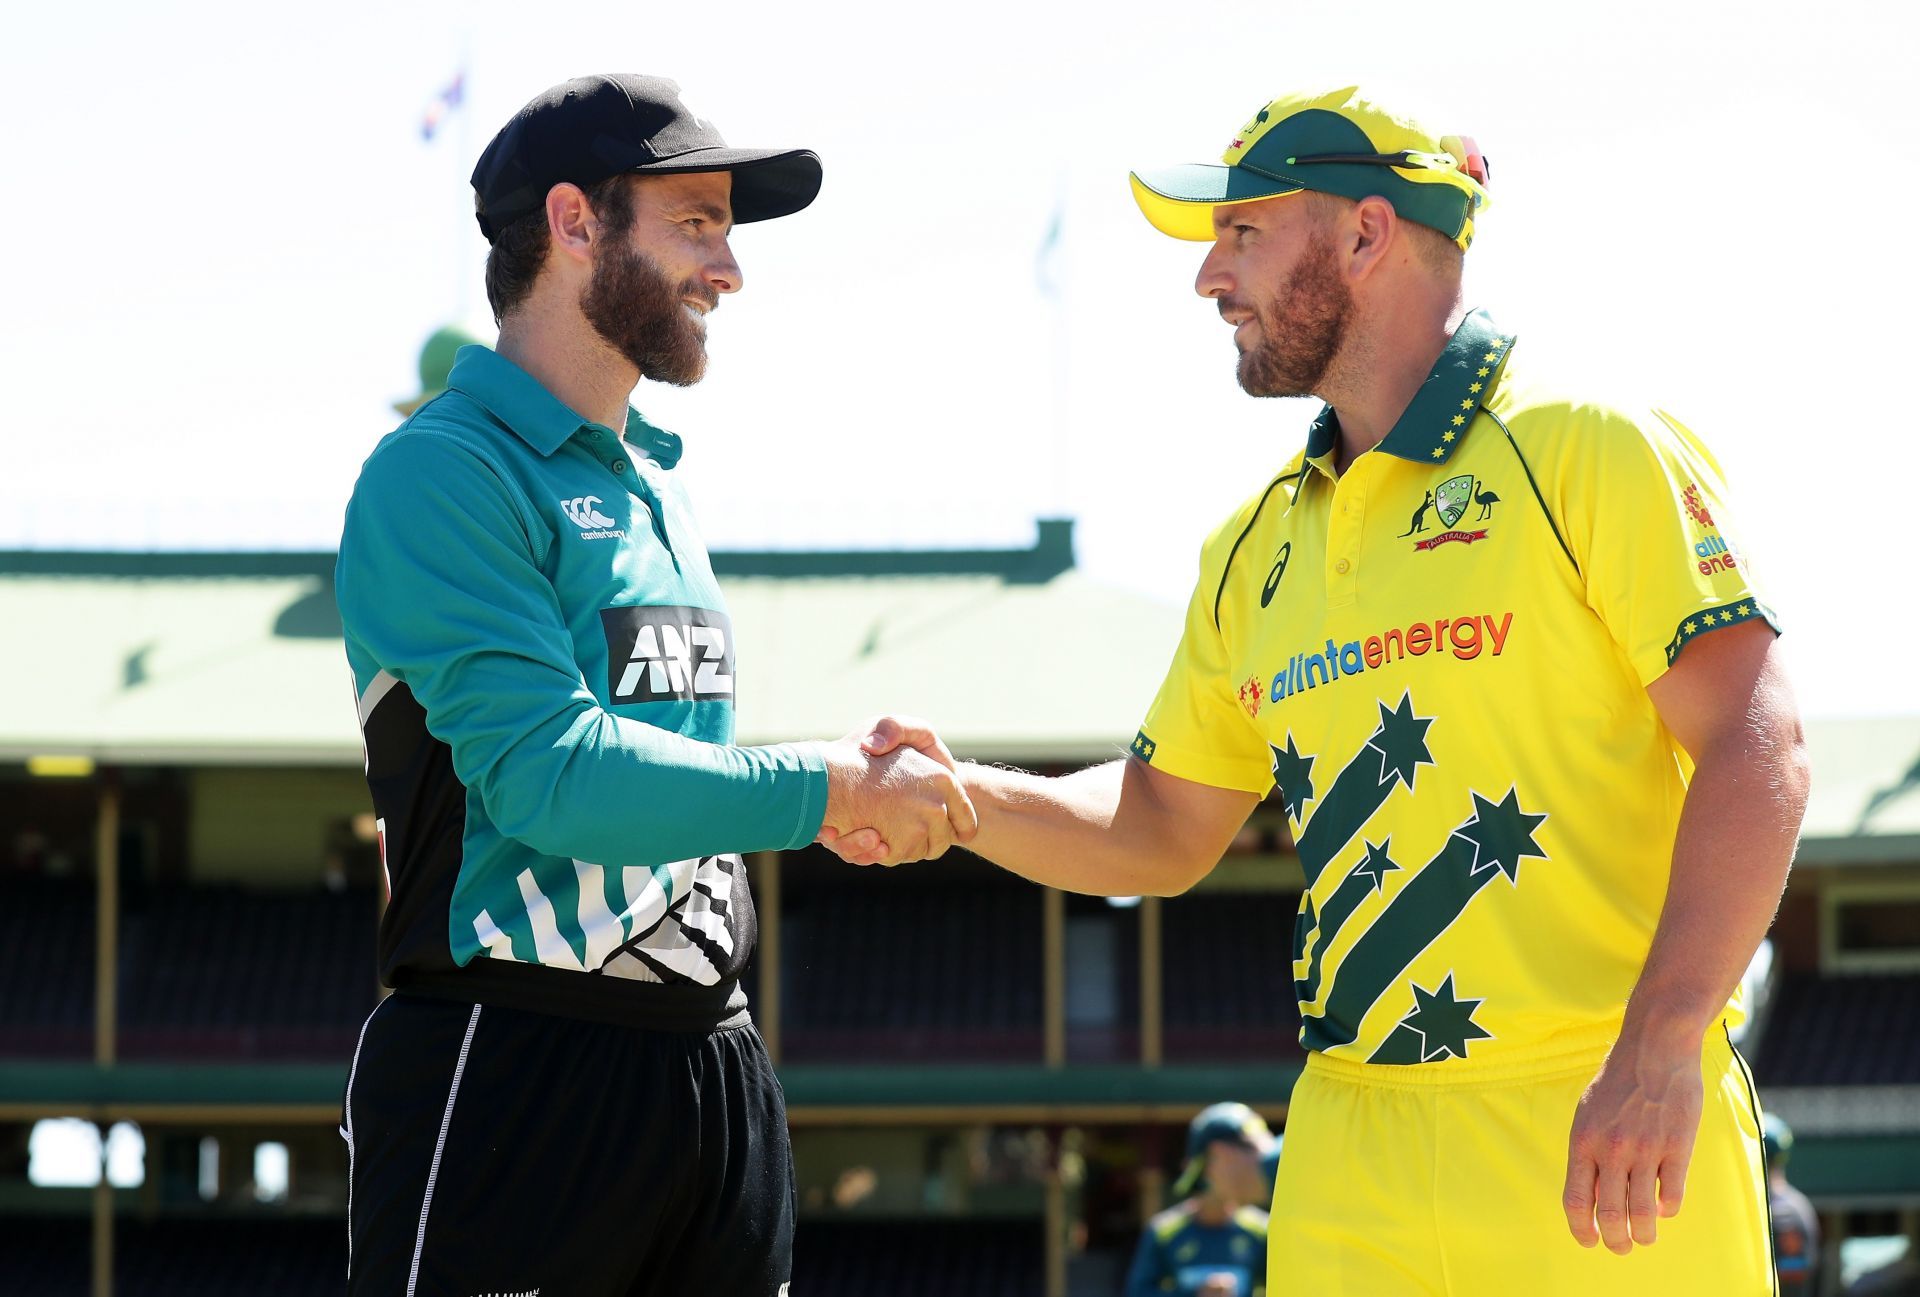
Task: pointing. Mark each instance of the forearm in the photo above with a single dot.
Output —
(1078, 832)
(617, 792)
(1730, 859)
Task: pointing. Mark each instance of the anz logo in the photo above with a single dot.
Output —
(664, 654)
(593, 524)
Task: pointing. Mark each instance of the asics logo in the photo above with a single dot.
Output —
(1273, 577)
(581, 513)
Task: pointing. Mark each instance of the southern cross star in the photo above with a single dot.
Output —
(1293, 774)
(1376, 866)
(1503, 834)
(1401, 741)
(1444, 1021)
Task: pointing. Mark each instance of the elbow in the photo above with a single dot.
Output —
(1175, 875)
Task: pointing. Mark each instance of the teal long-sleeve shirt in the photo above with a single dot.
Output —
(545, 673)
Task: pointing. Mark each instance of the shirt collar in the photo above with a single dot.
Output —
(537, 416)
(1436, 421)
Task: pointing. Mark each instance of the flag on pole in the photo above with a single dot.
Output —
(443, 106)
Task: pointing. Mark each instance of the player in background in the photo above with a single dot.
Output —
(1796, 1227)
(565, 1093)
(1537, 749)
(1213, 1241)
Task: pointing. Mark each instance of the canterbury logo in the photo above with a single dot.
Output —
(581, 513)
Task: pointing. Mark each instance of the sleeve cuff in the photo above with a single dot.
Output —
(809, 762)
(1215, 771)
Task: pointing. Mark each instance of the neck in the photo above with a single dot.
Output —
(555, 344)
(1213, 1210)
(1383, 363)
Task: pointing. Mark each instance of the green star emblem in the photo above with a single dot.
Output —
(1459, 419)
(1483, 371)
(1446, 436)
(1503, 834)
(1376, 866)
(1439, 452)
(1401, 741)
(1467, 404)
(1293, 773)
(1474, 387)
(1444, 1021)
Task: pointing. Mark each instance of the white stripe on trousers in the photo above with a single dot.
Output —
(346, 1131)
(439, 1147)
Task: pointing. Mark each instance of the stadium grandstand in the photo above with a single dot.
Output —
(988, 1082)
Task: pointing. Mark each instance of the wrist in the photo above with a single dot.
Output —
(1663, 1028)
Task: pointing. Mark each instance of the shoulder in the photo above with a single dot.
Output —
(1252, 1221)
(1565, 422)
(447, 441)
(1166, 1224)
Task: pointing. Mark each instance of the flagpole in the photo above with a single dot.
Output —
(462, 160)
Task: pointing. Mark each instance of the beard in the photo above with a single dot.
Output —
(644, 316)
(1301, 328)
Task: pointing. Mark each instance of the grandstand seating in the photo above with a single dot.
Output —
(222, 972)
(885, 968)
(944, 1258)
(1228, 990)
(46, 967)
(178, 1257)
(213, 1257)
(1838, 1029)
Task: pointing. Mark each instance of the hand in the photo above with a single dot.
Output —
(888, 804)
(1219, 1285)
(1633, 1130)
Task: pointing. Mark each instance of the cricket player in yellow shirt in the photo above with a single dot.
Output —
(1492, 636)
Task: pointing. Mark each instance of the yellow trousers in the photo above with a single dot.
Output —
(1429, 1181)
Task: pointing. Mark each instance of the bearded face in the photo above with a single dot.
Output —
(646, 317)
(1301, 326)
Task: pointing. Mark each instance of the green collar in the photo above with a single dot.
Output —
(537, 416)
(1436, 420)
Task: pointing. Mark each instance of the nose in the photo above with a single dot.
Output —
(1214, 279)
(723, 271)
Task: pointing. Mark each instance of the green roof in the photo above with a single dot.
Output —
(212, 659)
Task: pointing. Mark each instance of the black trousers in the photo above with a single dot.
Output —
(498, 1152)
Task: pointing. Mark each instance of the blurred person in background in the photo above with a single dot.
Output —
(1796, 1227)
(565, 1093)
(1213, 1241)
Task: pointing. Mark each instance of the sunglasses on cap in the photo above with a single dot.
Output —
(1473, 165)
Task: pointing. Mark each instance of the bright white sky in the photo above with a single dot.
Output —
(226, 241)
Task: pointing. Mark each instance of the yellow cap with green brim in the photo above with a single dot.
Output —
(1333, 142)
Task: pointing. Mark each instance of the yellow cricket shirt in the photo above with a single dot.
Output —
(1441, 659)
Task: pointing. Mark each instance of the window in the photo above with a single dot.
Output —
(1871, 927)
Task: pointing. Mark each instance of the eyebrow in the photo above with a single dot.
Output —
(712, 211)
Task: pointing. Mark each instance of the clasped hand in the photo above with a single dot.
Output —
(894, 795)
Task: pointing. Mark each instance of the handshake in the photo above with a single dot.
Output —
(894, 795)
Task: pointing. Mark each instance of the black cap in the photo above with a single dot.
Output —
(590, 128)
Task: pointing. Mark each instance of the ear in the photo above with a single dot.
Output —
(570, 222)
(1373, 225)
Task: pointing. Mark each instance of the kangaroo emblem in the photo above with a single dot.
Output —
(1420, 516)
